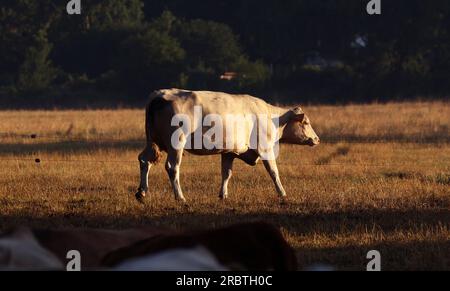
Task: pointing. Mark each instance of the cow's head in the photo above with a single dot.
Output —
(298, 129)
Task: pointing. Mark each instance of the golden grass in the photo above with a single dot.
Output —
(379, 180)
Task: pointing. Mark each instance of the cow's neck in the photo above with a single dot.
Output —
(284, 117)
(276, 110)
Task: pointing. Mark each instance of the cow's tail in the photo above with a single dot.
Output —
(153, 151)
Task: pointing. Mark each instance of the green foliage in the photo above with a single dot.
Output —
(165, 22)
(208, 44)
(25, 48)
(250, 74)
(309, 46)
(150, 59)
(36, 72)
(110, 14)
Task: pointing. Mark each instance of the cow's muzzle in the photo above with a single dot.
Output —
(313, 141)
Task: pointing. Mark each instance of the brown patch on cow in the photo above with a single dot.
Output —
(151, 154)
(93, 244)
(156, 154)
(155, 106)
(255, 246)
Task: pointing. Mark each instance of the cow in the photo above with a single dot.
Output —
(253, 246)
(165, 133)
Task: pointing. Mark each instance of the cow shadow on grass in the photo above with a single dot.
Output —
(65, 147)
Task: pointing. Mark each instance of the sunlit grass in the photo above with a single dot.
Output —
(380, 180)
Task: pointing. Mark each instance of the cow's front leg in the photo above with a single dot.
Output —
(145, 166)
(173, 170)
(227, 170)
(271, 167)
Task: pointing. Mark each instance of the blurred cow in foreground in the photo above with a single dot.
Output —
(212, 123)
(252, 246)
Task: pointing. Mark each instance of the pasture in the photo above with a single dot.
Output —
(379, 180)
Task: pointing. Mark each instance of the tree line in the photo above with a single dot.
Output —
(287, 51)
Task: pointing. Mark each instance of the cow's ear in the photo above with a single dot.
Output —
(298, 114)
(300, 118)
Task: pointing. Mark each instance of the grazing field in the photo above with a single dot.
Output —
(379, 180)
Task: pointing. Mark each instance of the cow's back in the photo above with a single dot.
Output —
(220, 103)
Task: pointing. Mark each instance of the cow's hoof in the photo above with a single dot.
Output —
(140, 196)
(283, 200)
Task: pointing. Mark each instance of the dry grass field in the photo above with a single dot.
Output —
(379, 180)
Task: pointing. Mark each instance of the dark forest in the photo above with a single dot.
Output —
(321, 51)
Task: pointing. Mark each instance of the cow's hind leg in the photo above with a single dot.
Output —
(271, 167)
(148, 156)
(227, 170)
(173, 170)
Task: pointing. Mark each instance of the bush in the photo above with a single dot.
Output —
(150, 60)
(36, 72)
(209, 45)
(251, 75)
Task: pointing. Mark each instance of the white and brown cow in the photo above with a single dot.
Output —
(244, 121)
